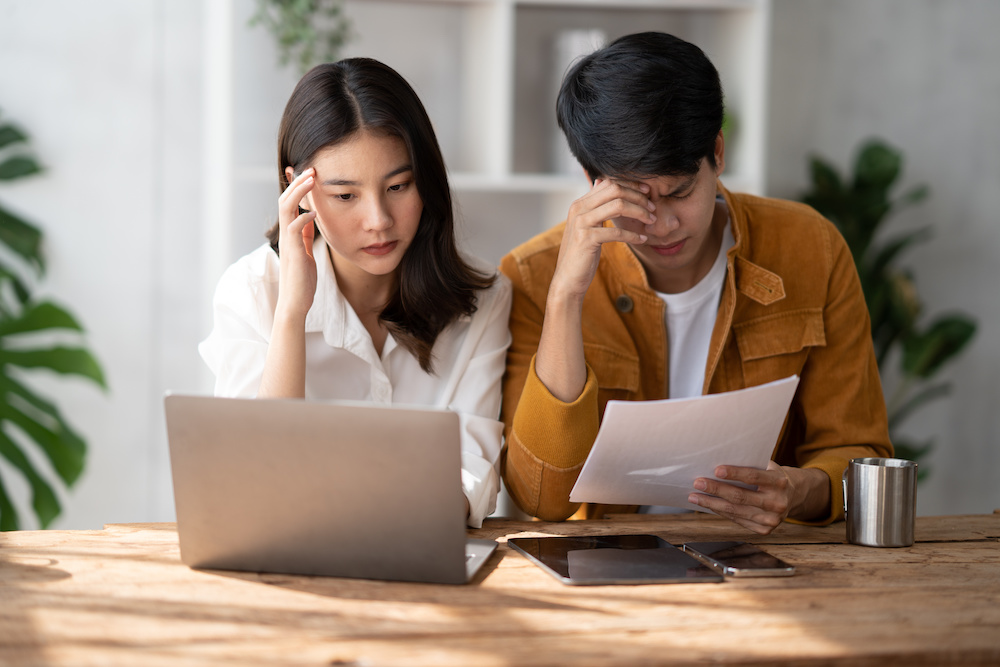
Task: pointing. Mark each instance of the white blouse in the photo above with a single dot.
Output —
(469, 358)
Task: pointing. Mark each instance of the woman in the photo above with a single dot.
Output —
(361, 293)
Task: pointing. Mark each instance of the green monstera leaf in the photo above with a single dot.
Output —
(28, 420)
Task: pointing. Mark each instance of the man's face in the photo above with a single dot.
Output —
(683, 243)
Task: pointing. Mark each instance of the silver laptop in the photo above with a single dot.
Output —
(341, 489)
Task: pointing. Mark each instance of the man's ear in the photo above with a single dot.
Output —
(720, 153)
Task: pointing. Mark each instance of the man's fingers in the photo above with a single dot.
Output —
(622, 208)
(746, 475)
(769, 495)
(602, 235)
(754, 518)
(612, 200)
(623, 182)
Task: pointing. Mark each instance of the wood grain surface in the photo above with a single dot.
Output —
(120, 596)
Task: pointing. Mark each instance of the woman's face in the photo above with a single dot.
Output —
(366, 202)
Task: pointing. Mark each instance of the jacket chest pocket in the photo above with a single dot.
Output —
(776, 346)
(617, 373)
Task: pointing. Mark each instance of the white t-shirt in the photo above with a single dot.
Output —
(690, 320)
(341, 361)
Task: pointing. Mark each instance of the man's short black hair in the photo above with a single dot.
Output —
(648, 104)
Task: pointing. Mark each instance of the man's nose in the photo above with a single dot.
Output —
(666, 220)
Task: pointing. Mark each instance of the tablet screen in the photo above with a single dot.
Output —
(613, 559)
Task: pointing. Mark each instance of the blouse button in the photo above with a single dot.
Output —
(624, 304)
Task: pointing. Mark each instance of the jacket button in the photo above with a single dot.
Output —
(624, 304)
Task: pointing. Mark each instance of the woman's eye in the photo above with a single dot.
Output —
(398, 187)
(344, 197)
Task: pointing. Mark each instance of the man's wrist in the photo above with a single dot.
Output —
(563, 301)
(812, 493)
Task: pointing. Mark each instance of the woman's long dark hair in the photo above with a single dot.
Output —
(329, 105)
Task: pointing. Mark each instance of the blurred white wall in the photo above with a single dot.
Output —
(923, 75)
(112, 94)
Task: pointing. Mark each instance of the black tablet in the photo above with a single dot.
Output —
(613, 559)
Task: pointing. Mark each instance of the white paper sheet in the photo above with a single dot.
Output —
(650, 452)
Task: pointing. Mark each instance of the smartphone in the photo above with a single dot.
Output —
(739, 559)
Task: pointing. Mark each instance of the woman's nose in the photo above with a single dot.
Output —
(377, 217)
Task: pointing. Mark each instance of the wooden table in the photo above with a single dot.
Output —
(120, 596)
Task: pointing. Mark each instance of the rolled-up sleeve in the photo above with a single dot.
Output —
(476, 399)
(547, 440)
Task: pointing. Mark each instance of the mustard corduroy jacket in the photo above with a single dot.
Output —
(791, 304)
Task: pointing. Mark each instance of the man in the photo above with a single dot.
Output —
(661, 283)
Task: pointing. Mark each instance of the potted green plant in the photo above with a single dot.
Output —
(27, 328)
(307, 32)
(859, 206)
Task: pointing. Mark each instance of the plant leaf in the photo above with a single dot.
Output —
(40, 317)
(924, 395)
(925, 352)
(826, 180)
(905, 449)
(877, 166)
(18, 166)
(43, 498)
(20, 289)
(64, 448)
(23, 238)
(65, 360)
(914, 196)
(8, 513)
(10, 135)
(888, 252)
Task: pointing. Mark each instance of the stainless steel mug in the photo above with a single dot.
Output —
(880, 501)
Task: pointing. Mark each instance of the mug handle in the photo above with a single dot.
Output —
(844, 482)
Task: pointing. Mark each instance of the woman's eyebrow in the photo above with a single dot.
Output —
(344, 181)
(398, 170)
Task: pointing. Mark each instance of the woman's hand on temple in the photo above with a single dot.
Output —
(295, 241)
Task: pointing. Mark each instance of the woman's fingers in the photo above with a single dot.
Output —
(291, 198)
(302, 227)
(308, 232)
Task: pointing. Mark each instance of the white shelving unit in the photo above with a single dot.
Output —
(486, 71)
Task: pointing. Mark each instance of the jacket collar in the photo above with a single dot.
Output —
(763, 286)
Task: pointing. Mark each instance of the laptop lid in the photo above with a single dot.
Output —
(337, 488)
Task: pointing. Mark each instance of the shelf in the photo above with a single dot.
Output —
(487, 72)
(536, 183)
